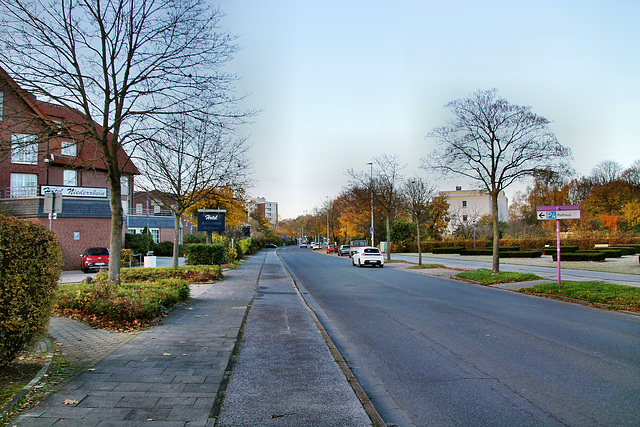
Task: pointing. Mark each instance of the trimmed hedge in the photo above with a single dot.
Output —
(192, 273)
(581, 256)
(551, 250)
(30, 265)
(521, 254)
(476, 252)
(451, 250)
(609, 253)
(204, 254)
(626, 250)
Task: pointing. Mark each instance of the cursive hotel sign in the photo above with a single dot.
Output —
(211, 222)
(74, 191)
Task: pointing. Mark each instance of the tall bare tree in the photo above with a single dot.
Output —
(418, 195)
(188, 161)
(119, 63)
(494, 143)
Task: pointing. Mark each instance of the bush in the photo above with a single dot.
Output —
(131, 305)
(30, 263)
(451, 250)
(610, 253)
(625, 250)
(581, 256)
(521, 254)
(203, 254)
(163, 249)
(139, 243)
(200, 273)
(551, 250)
(476, 252)
(190, 239)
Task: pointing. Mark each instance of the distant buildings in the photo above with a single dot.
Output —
(466, 206)
(268, 209)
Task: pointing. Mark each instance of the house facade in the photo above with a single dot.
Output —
(41, 153)
(467, 206)
(268, 209)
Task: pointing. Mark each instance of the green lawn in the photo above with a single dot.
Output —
(617, 297)
(485, 276)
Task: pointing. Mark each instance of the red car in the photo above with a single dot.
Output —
(95, 258)
(331, 249)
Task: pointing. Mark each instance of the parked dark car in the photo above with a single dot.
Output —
(95, 259)
(270, 246)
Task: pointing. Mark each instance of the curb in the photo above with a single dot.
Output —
(39, 376)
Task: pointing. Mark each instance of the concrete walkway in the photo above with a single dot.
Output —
(177, 373)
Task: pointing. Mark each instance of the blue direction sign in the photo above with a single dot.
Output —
(558, 212)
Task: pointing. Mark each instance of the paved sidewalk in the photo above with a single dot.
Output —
(168, 375)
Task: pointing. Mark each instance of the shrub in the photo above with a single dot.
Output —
(192, 273)
(189, 239)
(203, 254)
(521, 254)
(476, 252)
(625, 250)
(610, 253)
(451, 250)
(139, 243)
(126, 257)
(581, 256)
(550, 250)
(30, 263)
(163, 249)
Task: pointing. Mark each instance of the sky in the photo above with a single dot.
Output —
(338, 83)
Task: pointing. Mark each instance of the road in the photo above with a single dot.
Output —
(434, 351)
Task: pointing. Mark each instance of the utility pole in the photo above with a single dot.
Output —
(371, 190)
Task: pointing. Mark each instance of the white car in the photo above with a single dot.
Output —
(367, 255)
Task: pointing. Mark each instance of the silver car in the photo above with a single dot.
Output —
(367, 255)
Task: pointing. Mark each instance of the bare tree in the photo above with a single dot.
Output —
(122, 65)
(606, 172)
(494, 143)
(418, 195)
(188, 161)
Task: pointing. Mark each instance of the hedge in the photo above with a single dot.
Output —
(204, 254)
(30, 265)
(550, 250)
(626, 250)
(192, 273)
(530, 253)
(581, 256)
(609, 253)
(476, 252)
(451, 250)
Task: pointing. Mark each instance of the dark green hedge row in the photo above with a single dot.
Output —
(451, 250)
(476, 252)
(204, 254)
(521, 254)
(581, 256)
(551, 250)
(625, 250)
(30, 265)
(192, 273)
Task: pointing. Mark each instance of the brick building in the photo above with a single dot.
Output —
(43, 150)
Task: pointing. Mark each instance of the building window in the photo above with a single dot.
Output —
(138, 208)
(124, 185)
(464, 203)
(70, 178)
(464, 218)
(69, 148)
(24, 185)
(155, 232)
(23, 150)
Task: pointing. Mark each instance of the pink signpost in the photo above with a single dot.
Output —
(558, 213)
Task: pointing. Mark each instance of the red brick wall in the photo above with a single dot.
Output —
(94, 232)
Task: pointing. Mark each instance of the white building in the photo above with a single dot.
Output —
(470, 205)
(268, 209)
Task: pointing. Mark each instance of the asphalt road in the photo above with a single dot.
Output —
(433, 351)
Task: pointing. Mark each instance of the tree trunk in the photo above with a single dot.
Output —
(115, 244)
(176, 238)
(496, 232)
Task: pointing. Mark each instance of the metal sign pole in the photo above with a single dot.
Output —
(558, 243)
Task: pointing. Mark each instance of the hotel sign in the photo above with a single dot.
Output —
(211, 222)
(74, 191)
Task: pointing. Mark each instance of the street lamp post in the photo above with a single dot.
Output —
(371, 190)
(474, 234)
(328, 221)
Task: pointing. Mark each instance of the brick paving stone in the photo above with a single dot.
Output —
(169, 373)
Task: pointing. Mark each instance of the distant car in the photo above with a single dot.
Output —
(331, 249)
(270, 246)
(343, 250)
(315, 246)
(367, 255)
(303, 245)
(94, 259)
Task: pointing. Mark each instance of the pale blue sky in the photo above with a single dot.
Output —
(339, 82)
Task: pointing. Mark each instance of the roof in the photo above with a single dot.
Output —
(53, 115)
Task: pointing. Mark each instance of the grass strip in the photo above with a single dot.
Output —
(616, 297)
(423, 266)
(485, 276)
